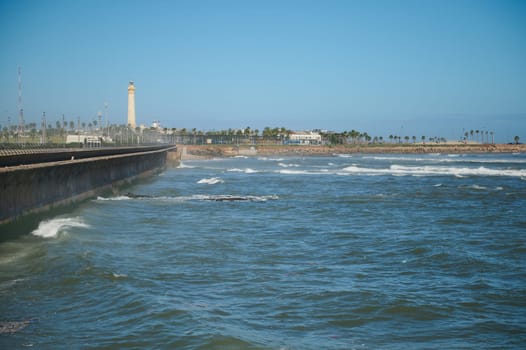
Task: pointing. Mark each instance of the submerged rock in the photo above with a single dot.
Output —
(12, 326)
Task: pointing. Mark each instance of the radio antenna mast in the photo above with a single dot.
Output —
(20, 108)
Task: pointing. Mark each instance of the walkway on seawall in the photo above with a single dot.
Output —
(33, 182)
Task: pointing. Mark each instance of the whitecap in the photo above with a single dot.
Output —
(283, 165)
(435, 170)
(119, 275)
(211, 181)
(233, 198)
(51, 228)
(117, 198)
(185, 166)
(295, 172)
(246, 171)
(437, 185)
(499, 188)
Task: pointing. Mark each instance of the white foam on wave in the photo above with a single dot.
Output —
(117, 198)
(51, 228)
(205, 197)
(343, 155)
(185, 166)
(271, 159)
(477, 187)
(298, 172)
(246, 170)
(283, 165)
(119, 275)
(435, 170)
(211, 181)
(437, 185)
(228, 198)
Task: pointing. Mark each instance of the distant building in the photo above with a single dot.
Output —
(87, 140)
(305, 138)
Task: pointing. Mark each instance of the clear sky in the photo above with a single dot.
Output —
(419, 67)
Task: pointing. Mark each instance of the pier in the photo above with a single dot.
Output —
(36, 181)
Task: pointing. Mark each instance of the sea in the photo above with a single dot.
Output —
(349, 251)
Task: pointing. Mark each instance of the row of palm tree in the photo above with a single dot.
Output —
(474, 135)
(242, 135)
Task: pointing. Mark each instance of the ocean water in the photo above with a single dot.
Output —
(341, 252)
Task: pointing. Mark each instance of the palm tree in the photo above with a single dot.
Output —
(471, 132)
(477, 131)
(492, 142)
(516, 138)
(33, 134)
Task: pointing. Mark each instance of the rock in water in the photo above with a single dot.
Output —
(12, 327)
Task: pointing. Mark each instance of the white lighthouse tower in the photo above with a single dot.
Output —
(131, 105)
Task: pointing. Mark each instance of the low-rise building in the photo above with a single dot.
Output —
(305, 138)
(87, 140)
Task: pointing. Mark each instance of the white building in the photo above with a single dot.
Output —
(305, 138)
(88, 140)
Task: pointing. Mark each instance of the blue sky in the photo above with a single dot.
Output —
(430, 68)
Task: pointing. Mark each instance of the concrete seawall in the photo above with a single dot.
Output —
(38, 187)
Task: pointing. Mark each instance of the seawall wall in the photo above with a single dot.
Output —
(38, 187)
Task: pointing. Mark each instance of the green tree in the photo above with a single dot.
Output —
(516, 139)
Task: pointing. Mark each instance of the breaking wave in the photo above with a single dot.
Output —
(51, 228)
(211, 181)
(246, 170)
(195, 197)
(435, 170)
(185, 166)
(118, 198)
(451, 158)
(284, 165)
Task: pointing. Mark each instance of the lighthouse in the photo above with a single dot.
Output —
(131, 105)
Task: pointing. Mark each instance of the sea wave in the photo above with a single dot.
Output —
(117, 198)
(196, 197)
(185, 166)
(211, 181)
(271, 159)
(246, 170)
(51, 228)
(284, 165)
(451, 158)
(435, 170)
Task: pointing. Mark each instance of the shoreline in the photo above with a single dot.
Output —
(190, 152)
